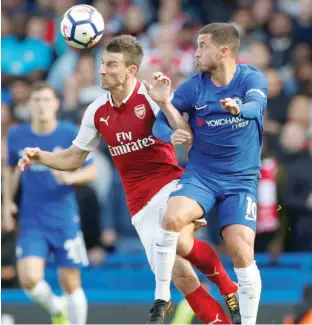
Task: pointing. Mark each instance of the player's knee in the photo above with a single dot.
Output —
(29, 280)
(174, 221)
(69, 280)
(240, 244)
(186, 240)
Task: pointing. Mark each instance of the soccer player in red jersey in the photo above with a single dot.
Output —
(124, 116)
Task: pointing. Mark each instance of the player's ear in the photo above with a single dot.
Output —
(132, 70)
(224, 51)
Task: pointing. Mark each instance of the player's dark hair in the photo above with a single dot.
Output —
(40, 85)
(129, 46)
(223, 34)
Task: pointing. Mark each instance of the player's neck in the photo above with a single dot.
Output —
(224, 74)
(122, 92)
(43, 127)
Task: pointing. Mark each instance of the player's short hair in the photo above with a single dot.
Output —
(40, 85)
(223, 34)
(129, 46)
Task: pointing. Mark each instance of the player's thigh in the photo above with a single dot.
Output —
(69, 249)
(184, 276)
(148, 221)
(238, 217)
(32, 250)
(146, 224)
(186, 204)
(69, 279)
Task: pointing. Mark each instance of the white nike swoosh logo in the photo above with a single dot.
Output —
(199, 108)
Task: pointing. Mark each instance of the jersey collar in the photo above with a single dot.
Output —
(127, 98)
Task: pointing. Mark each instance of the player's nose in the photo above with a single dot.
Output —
(102, 70)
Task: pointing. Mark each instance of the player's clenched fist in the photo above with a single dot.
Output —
(181, 137)
(30, 156)
(230, 105)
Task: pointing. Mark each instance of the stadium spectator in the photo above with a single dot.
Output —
(81, 88)
(297, 194)
(36, 28)
(276, 113)
(22, 55)
(298, 110)
(280, 41)
(19, 90)
(259, 55)
(303, 26)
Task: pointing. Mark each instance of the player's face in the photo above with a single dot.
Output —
(114, 71)
(208, 54)
(43, 105)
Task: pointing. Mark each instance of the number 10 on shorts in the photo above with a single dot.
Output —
(251, 211)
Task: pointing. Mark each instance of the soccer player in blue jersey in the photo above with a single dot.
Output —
(225, 102)
(49, 216)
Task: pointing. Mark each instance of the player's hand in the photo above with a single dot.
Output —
(30, 156)
(62, 177)
(230, 105)
(181, 137)
(159, 90)
(8, 221)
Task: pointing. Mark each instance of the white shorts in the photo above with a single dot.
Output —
(149, 219)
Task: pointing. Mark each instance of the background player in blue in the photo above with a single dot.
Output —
(49, 217)
(225, 103)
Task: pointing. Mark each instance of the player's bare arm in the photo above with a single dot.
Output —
(83, 175)
(66, 160)
(11, 177)
(159, 91)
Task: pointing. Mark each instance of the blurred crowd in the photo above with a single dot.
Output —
(276, 37)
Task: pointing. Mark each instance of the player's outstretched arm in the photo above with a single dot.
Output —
(83, 175)
(66, 160)
(254, 101)
(163, 132)
(159, 91)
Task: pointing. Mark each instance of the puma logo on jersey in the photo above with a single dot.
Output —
(105, 120)
(216, 320)
(214, 273)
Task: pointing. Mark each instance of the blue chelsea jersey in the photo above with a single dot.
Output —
(45, 202)
(224, 143)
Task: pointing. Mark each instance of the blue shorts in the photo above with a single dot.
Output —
(66, 244)
(235, 197)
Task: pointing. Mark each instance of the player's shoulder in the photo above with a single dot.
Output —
(249, 70)
(193, 80)
(19, 130)
(98, 102)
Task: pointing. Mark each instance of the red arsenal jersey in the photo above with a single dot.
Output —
(144, 163)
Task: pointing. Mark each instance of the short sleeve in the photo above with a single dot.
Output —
(13, 157)
(185, 95)
(256, 89)
(88, 136)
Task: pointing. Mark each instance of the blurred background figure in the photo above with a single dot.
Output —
(276, 37)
